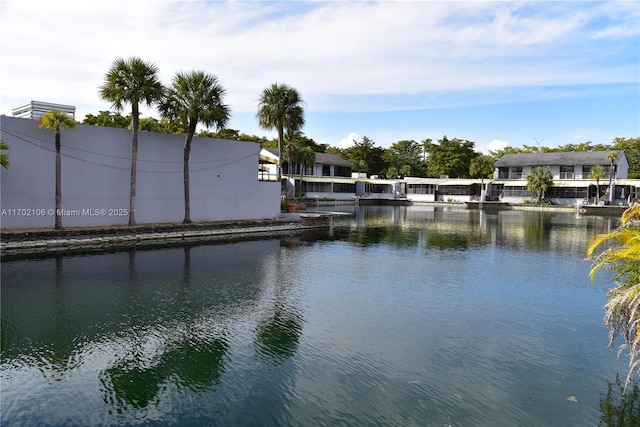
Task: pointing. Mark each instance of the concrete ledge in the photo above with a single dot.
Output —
(38, 241)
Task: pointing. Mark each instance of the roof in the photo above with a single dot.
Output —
(321, 158)
(569, 158)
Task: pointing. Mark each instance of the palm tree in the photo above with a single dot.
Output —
(621, 254)
(612, 157)
(538, 181)
(280, 107)
(56, 120)
(4, 157)
(132, 81)
(291, 149)
(305, 157)
(481, 165)
(194, 97)
(597, 173)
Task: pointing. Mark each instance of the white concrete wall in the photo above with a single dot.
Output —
(96, 172)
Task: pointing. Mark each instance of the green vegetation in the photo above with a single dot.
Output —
(4, 157)
(132, 81)
(619, 252)
(56, 120)
(280, 108)
(538, 181)
(597, 173)
(194, 97)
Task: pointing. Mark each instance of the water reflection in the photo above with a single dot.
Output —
(621, 405)
(398, 316)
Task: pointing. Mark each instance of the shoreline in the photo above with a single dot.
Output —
(28, 242)
(19, 242)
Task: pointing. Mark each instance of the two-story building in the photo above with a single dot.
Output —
(572, 180)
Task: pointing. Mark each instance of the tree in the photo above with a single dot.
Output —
(620, 252)
(305, 157)
(631, 148)
(108, 119)
(597, 173)
(450, 157)
(612, 157)
(538, 181)
(280, 107)
(406, 157)
(132, 81)
(4, 157)
(366, 157)
(56, 120)
(194, 97)
(482, 166)
(290, 150)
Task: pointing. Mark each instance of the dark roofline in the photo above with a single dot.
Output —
(568, 158)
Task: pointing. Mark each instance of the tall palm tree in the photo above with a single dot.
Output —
(620, 252)
(280, 107)
(305, 157)
(56, 120)
(194, 97)
(612, 157)
(132, 81)
(597, 173)
(291, 149)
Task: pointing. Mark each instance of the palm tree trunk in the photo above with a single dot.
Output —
(135, 122)
(185, 175)
(58, 213)
(280, 152)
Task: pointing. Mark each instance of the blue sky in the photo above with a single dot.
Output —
(496, 73)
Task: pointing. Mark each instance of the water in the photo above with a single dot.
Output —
(398, 316)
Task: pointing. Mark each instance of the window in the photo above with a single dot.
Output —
(517, 192)
(317, 187)
(503, 173)
(566, 172)
(342, 171)
(516, 172)
(567, 192)
(344, 188)
(326, 170)
(586, 172)
(456, 190)
(421, 189)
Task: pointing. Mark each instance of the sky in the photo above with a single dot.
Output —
(499, 73)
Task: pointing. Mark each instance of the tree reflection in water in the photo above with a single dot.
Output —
(620, 407)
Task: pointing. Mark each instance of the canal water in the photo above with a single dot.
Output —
(395, 316)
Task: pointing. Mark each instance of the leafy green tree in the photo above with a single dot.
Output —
(366, 157)
(132, 81)
(194, 97)
(56, 120)
(108, 119)
(4, 157)
(450, 157)
(619, 251)
(597, 173)
(280, 107)
(150, 124)
(482, 166)
(406, 157)
(538, 181)
(631, 148)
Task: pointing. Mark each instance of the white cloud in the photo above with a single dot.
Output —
(348, 140)
(371, 55)
(494, 145)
